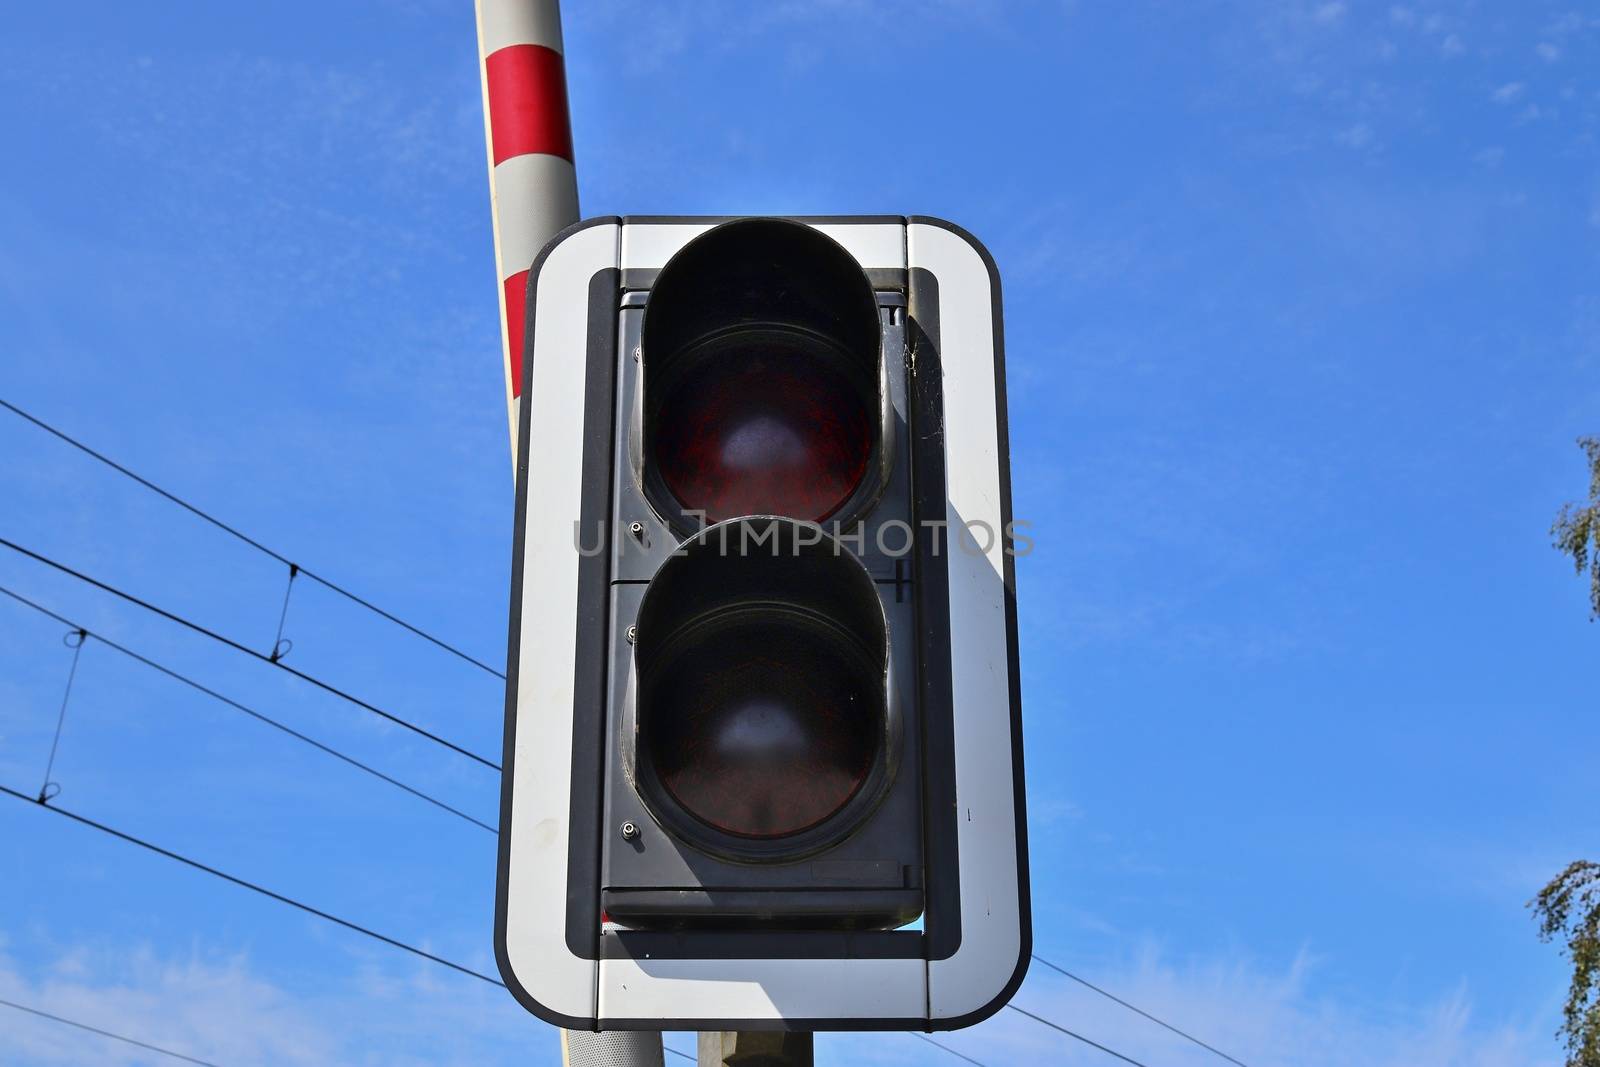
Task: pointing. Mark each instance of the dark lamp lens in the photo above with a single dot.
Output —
(763, 722)
(768, 429)
(761, 357)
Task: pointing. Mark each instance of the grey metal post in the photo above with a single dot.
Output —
(611, 1048)
(755, 1048)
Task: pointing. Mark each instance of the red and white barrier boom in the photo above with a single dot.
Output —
(533, 193)
(533, 186)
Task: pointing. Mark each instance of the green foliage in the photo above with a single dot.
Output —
(1576, 532)
(1570, 906)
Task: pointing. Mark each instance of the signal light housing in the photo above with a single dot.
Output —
(763, 704)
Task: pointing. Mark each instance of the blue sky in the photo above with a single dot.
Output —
(1302, 321)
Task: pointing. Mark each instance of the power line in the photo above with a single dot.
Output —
(232, 644)
(947, 1048)
(414, 950)
(282, 899)
(267, 719)
(1136, 1010)
(247, 539)
(236, 646)
(275, 660)
(252, 886)
(106, 1033)
(1076, 1036)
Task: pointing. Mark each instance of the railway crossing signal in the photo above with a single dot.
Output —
(763, 726)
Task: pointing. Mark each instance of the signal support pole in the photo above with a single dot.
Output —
(755, 1048)
(612, 1048)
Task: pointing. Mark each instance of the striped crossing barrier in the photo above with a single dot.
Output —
(533, 186)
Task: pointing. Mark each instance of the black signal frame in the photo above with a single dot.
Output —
(917, 707)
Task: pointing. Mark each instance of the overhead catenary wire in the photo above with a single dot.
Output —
(326, 583)
(437, 959)
(331, 918)
(254, 887)
(230, 702)
(246, 650)
(1137, 1010)
(947, 1048)
(275, 661)
(413, 949)
(1076, 1036)
(106, 1033)
(282, 899)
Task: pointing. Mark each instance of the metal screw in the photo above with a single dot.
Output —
(637, 529)
(633, 632)
(629, 831)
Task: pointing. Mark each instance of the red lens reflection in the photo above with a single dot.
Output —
(766, 428)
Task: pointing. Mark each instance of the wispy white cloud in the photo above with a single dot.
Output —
(1400, 232)
(1278, 1015)
(1569, 23)
(322, 143)
(220, 1009)
(1049, 809)
(1259, 1014)
(1431, 26)
(1490, 157)
(719, 25)
(213, 1010)
(1357, 136)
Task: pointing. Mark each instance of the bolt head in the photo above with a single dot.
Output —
(630, 831)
